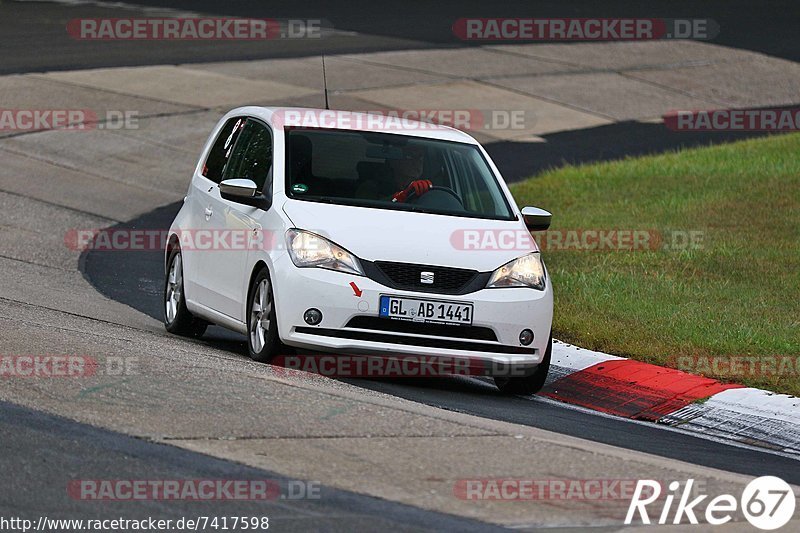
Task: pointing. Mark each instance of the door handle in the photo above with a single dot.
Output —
(209, 212)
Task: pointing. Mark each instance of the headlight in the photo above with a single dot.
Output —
(527, 271)
(310, 250)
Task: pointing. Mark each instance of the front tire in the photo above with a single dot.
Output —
(263, 342)
(177, 318)
(528, 385)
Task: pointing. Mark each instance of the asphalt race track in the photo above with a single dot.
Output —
(386, 452)
(75, 447)
(381, 25)
(402, 30)
(112, 273)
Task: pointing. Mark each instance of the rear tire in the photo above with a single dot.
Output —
(263, 343)
(177, 318)
(528, 385)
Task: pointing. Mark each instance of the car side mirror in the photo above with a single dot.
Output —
(243, 191)
(536, 219)
(238, 188)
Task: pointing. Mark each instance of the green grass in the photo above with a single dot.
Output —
(737, 295)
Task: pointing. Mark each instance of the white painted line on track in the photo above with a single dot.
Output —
(575, 358)
(719, 440)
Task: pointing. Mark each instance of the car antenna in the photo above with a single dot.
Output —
(324, 82)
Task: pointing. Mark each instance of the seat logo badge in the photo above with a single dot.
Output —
(426, 278)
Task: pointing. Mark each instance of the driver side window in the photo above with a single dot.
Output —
(252, 156)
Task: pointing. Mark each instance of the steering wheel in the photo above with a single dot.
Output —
(448, 190)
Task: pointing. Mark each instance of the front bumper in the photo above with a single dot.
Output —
(351, 324)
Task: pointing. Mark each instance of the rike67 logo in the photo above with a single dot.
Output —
(767, 502)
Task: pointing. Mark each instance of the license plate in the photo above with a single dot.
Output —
(423, 310)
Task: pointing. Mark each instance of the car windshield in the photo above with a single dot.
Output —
(389, 171)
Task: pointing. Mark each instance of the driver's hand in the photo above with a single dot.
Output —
(417, 187)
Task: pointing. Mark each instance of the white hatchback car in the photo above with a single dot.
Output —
(371, 237)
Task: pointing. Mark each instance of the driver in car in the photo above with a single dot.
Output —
(407, 172)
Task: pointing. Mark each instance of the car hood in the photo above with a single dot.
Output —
(421, 238)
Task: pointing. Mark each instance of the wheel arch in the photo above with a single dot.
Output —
(257, 268)
(172, 243)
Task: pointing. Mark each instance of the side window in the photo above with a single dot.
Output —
(221, 150)
(252, 155)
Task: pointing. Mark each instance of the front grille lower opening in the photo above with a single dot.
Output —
(418, 328)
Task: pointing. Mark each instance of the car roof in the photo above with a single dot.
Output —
(391, 122)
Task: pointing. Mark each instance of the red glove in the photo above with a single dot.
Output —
(418, 187)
